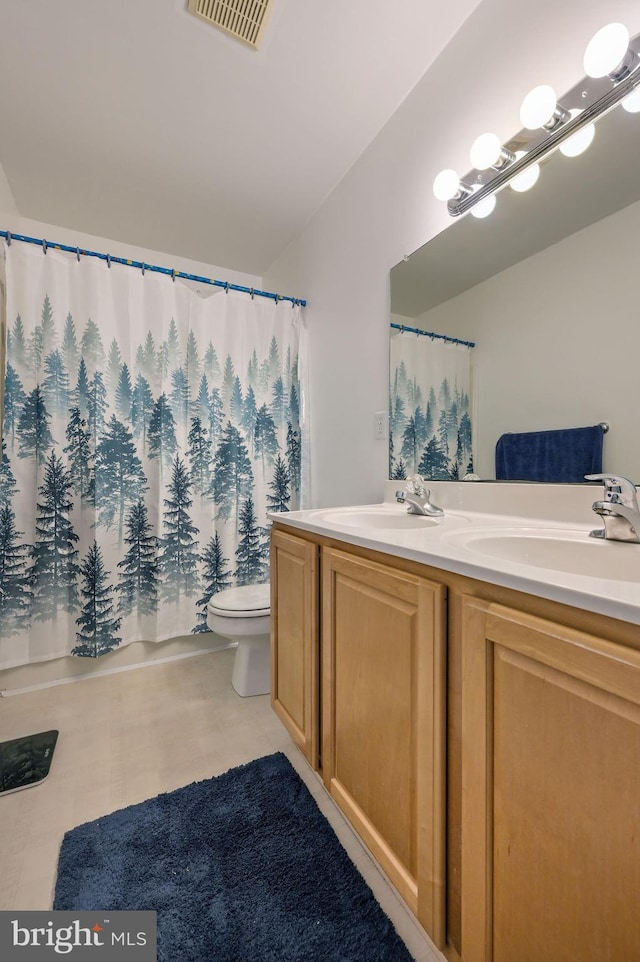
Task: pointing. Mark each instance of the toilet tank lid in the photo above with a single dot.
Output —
(243, 598)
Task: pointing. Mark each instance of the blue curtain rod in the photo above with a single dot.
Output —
(80, 251)
(442, 337)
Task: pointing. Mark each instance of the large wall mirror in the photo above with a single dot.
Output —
(548, 288)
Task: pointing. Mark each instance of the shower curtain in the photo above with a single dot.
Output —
(430, 426)
(147, 430)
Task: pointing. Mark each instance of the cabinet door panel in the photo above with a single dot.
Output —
(294, 639)
(551, 792)
(383, 720)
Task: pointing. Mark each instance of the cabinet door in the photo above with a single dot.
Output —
(383, 720)
(294, 639)
(551, 792)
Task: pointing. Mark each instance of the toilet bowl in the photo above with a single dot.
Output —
(243, 615)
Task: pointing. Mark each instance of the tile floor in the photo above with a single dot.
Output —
(126, 737)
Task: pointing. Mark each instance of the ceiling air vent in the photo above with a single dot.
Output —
(243, 19)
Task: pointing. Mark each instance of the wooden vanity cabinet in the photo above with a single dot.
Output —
(465, 721)
(383, 720)
(550, 791)
(365, 702)
(295, 678)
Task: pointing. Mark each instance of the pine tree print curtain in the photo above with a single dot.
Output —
(430, 430)
(147, 430)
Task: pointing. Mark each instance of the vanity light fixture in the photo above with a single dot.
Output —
(612, 68)
(484, 207)
(527, 179)
(632, 103)
(578, 143)
(540, 109)
(487, 151)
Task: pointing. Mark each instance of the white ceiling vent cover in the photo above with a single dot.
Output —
(243, 19)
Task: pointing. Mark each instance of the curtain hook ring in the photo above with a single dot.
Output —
(109, 261)
(44, 246)
(173, 275)
(277, 298)
(251, 292)
(143, 268)
(8, 238)
(226, 287)
(78, 254)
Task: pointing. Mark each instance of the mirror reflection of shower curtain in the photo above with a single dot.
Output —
(430, 417)
(147, 430)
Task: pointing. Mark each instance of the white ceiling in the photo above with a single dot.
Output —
(136, 121)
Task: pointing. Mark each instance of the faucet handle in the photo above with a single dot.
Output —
(415, 485)
(617, 488)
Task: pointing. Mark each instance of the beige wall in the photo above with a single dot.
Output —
(8, 209)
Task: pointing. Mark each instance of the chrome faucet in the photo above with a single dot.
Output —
(619, 509)
(416, 496)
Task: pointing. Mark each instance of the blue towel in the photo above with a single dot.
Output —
(563, 456)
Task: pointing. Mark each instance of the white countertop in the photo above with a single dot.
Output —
(529, 537)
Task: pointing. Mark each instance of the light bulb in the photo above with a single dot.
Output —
(446, 184)
(485, 151)
(538, 107)
(577, 144)
(606, 50)
(631, 103)
(527, 178)
(484, 207)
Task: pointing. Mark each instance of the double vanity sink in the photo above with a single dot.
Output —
(564, 549)
(535, 538)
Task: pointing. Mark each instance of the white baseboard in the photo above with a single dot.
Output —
(52, 683)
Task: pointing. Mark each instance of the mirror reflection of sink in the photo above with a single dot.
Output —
(374, 516)
(556, 549)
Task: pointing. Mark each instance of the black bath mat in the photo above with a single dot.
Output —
(239, 868)
(26, 761)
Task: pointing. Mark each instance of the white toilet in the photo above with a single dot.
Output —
(243, 614)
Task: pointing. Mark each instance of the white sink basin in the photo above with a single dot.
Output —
(375, 517)
(555, 549)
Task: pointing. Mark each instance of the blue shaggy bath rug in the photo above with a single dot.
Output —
(240, 868)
